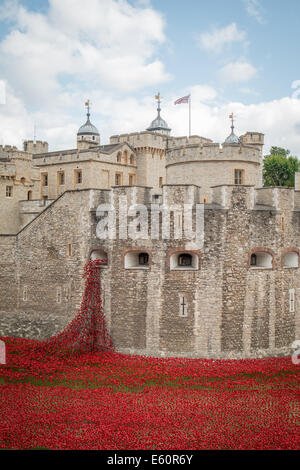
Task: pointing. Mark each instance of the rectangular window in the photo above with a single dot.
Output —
(45, 179)
(183, 307)
(292, 300)
(239, 176)
(118, 179)
(9, 191)
(25, 294)
(61, 178)
(131, 180)
(160, 181)
(78, 176)
(69, 250)
(58, 295)
(67, 293)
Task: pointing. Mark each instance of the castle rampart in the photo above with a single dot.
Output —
(231, 307)
(207, 165)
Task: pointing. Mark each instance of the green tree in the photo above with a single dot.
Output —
(280, 167)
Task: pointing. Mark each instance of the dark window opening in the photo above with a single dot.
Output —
(78, 176)
(143, 258)
(239, 177)
(253, 259)
(45, 180)
(185, 260)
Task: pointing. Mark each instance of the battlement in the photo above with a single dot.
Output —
(213, 151)
(255, 139)
(5, 150)
(223, 196)
(174, 142)
(141, 139)
(134, 194)
(35, 147)
(268, 199)
(7, 169)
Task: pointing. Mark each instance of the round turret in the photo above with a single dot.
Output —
(88, 133)
(159, 124)
(232, 138)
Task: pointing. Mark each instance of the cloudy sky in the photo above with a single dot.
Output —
(233, 55)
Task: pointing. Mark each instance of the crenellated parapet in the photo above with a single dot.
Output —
(181, 194)
(212, 151)
(141, 140)
(260, 199)
(5, 149)
(35, 147)
(7, 169)
(255, 139)
(210, 164)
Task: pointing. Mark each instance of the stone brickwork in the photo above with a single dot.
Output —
(240, 295)
(233, 309)
(208, 164)
(19, 180)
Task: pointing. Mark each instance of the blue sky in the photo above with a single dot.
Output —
(273, 43)
(233, 55)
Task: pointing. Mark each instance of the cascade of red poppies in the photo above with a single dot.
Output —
(87, 332)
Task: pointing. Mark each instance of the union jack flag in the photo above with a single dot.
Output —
(184, 99)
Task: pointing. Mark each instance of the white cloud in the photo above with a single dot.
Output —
(217, 39)
(279, 120)
(240, 71)
(203, 93)
(108, 44)
(254, 9)
(2, 92)
(57, 61)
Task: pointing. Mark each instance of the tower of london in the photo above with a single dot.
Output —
(233, 294)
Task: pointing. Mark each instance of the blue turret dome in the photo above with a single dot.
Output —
(159, 124)
(88, 128)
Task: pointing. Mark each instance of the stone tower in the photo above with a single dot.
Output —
(88, 135)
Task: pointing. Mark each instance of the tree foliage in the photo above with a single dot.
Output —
(280, 167)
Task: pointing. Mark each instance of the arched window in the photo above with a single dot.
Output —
(119, 157)
(291, 260)
(135, 259)
(125, 154)
(261, 259)
(99, 254)
(29, 195)
(132, 159)
(182, 260)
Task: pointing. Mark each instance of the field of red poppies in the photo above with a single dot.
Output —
(111, 401)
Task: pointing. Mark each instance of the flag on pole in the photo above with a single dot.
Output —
(184, 99)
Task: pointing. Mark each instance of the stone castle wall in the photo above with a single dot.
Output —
(233, 309)
(18, 173)
(209, 165)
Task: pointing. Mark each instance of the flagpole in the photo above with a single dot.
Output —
(190, 116)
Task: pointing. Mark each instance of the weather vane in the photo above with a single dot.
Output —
(87, 105)
(231, 116)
